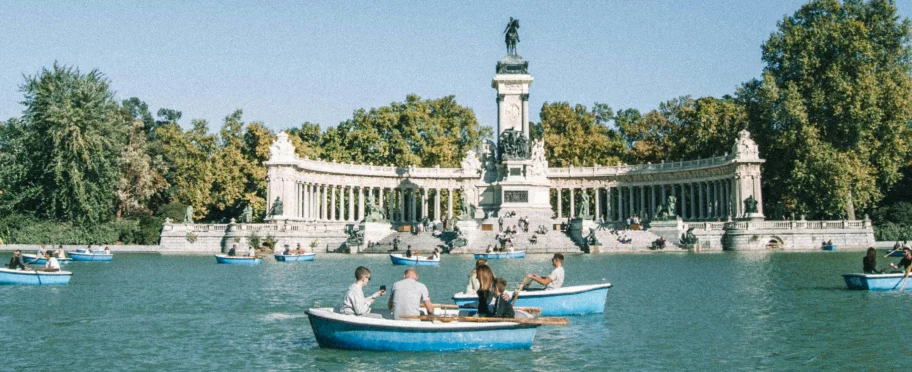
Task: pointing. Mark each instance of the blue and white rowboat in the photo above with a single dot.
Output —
(895, 253)
(495, 256)
(92, 257)
(876, 282)
(33, 277)
(33, 259)
(295, 257)
(576, 300)
(351, 332)
(829, 247)
(399, 259)
(237, 260)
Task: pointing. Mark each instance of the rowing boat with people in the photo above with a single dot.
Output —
(34, 260)
(575, 300)
(443, 331)
(237, 260)
(499, 255)
(34, 277)
(399, 259)
(92, 257)
(874, 282)
(303, 257)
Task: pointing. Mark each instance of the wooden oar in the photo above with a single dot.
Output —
(539, 321)
(891, 252)
(530, 310)
(516, 294)
(908, 270)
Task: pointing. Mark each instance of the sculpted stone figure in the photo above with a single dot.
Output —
(584, 205)
(247, 215)
(276, 207)
(511, 35)
(539, 162)
(188, 215)
(514, 144)
(374, 213)
(750, 205)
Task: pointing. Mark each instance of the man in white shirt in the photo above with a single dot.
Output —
(52, 263)
(554, 280)
(354, 302)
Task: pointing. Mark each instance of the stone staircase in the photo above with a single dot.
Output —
(423, 242)
(640, 241)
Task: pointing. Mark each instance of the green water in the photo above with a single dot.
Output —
(725, 311)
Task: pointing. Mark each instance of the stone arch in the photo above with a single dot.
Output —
(773, 242)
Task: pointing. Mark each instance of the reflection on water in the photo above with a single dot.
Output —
(768, 310)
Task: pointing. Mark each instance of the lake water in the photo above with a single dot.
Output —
(722, 311)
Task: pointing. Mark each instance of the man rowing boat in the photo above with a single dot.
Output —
(408, 295)
(554, 280)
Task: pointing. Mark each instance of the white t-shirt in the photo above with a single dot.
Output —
(52, 263)
(557, 278)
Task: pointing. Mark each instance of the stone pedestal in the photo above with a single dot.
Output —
(374, 232)
(752, 217)
(669, 229)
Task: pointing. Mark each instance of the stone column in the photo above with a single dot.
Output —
(701, 202)
(413, 199)
(632, 210)
(560, 203)
(598, 204)
(652, 202)
(736, 197)
(436, 204)
(642, 201)
(620, 211)
(572, 203)
(450, 203)
(608, 215)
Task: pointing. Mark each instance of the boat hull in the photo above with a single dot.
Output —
(496, 256)
(399, 259)
(895, 254)
(295, 257)
(92, 257)
(32, 259)
(576, 300)
(875, 282)
(237, 260)
(829, 247)
(351, 332)
(30, 277)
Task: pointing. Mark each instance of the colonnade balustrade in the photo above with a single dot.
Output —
(703, 200)
(328, 202)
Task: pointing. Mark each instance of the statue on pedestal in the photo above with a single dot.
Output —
(276, 207)
(247, 215)
(688, 239)
(374, 213)
(511, 35)
(750, 205)
(188, 215)
(591, 239)
(584, 205)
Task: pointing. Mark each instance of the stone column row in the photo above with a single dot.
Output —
(326, 202)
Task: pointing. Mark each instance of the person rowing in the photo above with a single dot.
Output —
(436, 255)
(52, 264)
(554, 280)
(905, 262)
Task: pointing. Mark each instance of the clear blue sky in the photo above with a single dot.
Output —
(285, 63)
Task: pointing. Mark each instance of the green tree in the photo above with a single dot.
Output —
(416, 132)
(71, 146)
(189, 157)
(306, 140)
(579, 136)
(833, 109)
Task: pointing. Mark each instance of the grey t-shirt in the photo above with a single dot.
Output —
(407, 296)
(557, 278)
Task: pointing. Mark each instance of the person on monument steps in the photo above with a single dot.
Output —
(554, 280)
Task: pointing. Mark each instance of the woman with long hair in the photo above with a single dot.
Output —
(870, 262)
(485, 293)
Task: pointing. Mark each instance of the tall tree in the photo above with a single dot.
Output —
(575, 135)
(417, 132)
(190, 159)
(72, 142)
(834, 106)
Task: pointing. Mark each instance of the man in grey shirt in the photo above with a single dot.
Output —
(354, 302)
(408, 295)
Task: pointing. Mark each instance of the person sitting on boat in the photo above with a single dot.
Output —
(408, 251)
(503, 308)
(354, 302)
(287, 250)
(554, 280)
(870, 262)
(41, 251)
(16, 261)
(436, 255)
(407, 296)
(474, 284)
(52, 263)
(299, 249)
(107, 250)
(232, 251)
(905, 261)
(485, 290)
(251, 252)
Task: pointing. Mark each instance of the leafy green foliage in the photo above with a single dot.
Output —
(578, 136)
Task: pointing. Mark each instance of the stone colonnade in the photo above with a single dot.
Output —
(331, 202)
(703, 200)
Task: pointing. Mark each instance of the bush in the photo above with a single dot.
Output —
(24, 229)
(891, 232)
(148, 230)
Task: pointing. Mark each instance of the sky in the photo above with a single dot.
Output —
(289, 62)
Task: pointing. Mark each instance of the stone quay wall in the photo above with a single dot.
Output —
(216, 238)
(797, 235)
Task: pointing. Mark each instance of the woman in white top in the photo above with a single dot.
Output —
(52, 263)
